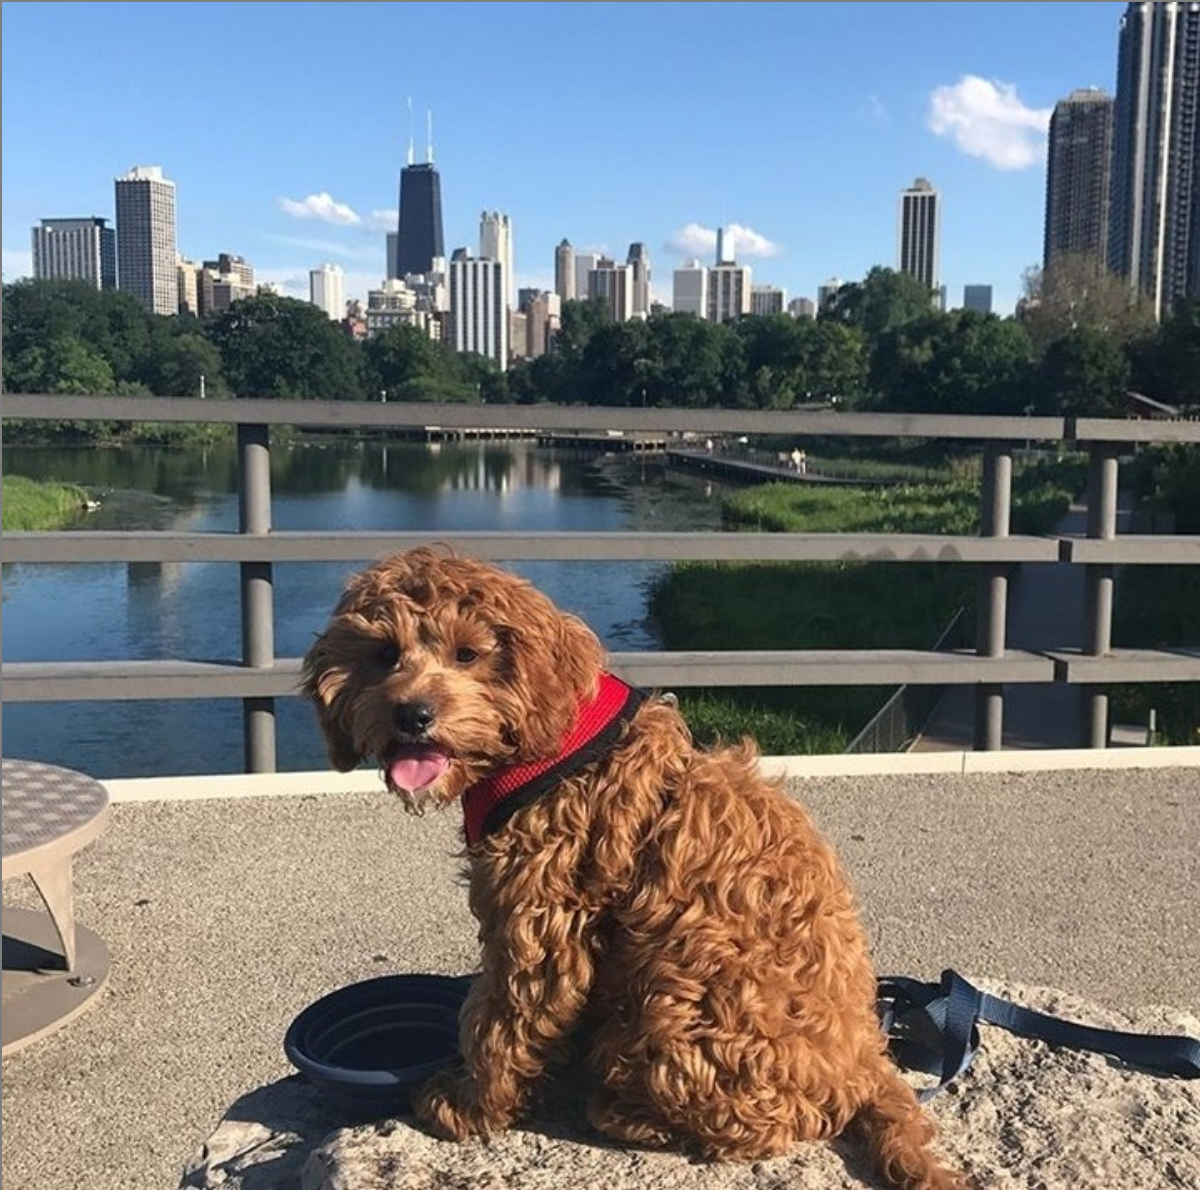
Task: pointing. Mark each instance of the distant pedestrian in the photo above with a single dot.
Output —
(799, 461)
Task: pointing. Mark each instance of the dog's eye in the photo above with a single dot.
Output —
(389, 654)
(465, 656)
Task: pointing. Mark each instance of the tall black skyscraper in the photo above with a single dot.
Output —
(1078, 178)
(420, 231)
(1154, 225)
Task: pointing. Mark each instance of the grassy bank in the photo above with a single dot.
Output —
(30, 504)
(718, 606)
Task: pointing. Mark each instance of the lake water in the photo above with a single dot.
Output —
(192, 610)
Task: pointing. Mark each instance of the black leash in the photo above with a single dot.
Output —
(933, 1027)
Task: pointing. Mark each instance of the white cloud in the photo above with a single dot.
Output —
(987, 119)
(323, 207)
(383, 220)
(697, 240)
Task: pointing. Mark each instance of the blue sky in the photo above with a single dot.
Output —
(284, 127)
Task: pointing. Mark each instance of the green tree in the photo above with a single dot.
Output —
(962, 362)
(536, 380)
(399, 356)
(882, 300)
(615, 363)
(775, 360)
(187, 365)
(836, 362)
(274, 346)
(1179, 351)
(74, 367)
(1084, 372)
(578, 322)
(689, 363)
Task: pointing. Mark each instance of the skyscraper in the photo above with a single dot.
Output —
(920, 232)
(1078, 177)
(1154, 216)
(496, 243)
(419, 232)
(478, 310)
(766, 300)
(724, 254)
(222, 282)
(614, 284)
(978, 298)
(689, 294)
(76, 250)
(729, 287)
(639, 260)
(564, 271)
(326, 289)
(145, 202)
(584, 263)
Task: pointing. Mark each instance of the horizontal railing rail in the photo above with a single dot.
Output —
(301, 546)
(433, 416)
(258, 677)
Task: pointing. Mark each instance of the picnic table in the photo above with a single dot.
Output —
(53, 967)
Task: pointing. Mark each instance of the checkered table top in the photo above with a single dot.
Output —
(43, 803)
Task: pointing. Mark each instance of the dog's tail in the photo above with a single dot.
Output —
(899, 1137)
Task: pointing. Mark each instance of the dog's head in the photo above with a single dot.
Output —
(443, 669)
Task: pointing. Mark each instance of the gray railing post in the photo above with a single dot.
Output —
(994, 517)
(258, 617)
(1101, 524)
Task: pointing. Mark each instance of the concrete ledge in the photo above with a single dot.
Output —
(244, 785)
(226, 919)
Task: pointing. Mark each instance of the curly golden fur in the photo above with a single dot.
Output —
(667, 911)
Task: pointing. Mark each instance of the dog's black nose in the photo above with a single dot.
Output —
(413, 718)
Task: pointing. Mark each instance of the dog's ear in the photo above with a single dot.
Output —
(320, 684)
(555, 661)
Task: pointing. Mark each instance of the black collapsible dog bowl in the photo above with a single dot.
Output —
(368, 1045)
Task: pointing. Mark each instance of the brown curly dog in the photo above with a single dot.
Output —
(663, 906)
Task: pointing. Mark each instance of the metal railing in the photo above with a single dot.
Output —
(258, 677)
(901, 719)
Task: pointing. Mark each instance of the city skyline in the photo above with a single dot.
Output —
(802, 167)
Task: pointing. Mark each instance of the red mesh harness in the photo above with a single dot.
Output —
(489, 803)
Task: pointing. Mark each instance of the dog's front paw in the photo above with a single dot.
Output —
(446, 1102)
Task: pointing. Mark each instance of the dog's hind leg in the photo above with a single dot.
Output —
(623, 1120)
(898, 1136)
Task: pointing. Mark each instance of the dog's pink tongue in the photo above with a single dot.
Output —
(415, 766)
